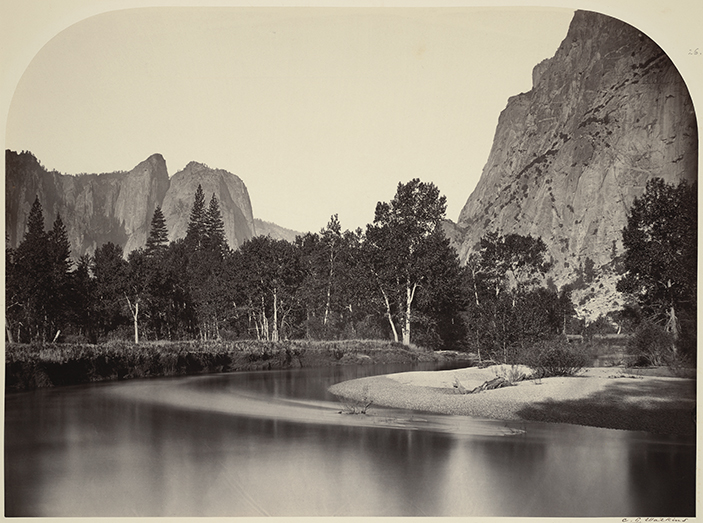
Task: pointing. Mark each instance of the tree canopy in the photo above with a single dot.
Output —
(398, 278)
(661, 250)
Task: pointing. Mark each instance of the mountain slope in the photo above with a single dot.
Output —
(118, 207)
(276, 232)
(96, 208)
(607, 113)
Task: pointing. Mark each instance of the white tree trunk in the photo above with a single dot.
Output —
(409, 297)
(274, 335)
(389, 315)
(135, 315)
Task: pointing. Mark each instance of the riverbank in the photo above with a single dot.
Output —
(610, 397)
(31, 366)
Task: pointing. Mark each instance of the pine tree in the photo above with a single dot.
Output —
(215, 227)
(59, 247)
(158, 234)
(30, 277)
(35, 233)
(59, 257)
(196, 226)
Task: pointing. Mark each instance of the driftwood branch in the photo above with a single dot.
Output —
(495, 383)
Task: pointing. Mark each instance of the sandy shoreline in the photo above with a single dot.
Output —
(609, 397)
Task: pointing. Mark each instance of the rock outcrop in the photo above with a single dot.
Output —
(118, 207)
(607, 113)
(229, 189)
(96, 208)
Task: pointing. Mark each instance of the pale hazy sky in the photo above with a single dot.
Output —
(319, 111)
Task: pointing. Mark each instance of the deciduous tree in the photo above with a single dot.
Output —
(394, 244)
(661, 249)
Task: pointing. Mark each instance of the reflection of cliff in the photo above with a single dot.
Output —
(118, 206)
(607, 113)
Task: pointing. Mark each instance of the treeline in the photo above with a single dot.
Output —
(398, 280)
(398, 277)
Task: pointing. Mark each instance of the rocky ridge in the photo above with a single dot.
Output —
(118, 207)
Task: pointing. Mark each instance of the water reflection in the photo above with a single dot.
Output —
(123, 449)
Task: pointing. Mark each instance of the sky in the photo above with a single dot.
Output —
(319, 111)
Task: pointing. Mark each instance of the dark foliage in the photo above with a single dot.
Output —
(651, 344)
(508, 309)
(555, 357)
(30, 366)
(661, 252)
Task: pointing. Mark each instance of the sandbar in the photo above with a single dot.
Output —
(607, 397)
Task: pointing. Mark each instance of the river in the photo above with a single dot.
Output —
(275, 443)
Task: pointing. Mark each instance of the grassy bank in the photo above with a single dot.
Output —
(33, 366)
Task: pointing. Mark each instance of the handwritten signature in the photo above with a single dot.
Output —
(653, 520)
(695, 52)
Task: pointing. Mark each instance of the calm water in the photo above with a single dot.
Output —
(274, 443)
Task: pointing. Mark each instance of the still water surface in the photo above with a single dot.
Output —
(274, 443)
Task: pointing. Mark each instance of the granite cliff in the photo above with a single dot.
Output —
(230, 190)
(118, 206)
(96, 208)
(606, 113)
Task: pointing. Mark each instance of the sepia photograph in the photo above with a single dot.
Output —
(330, 260)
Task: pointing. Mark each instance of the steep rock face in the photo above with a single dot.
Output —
(607, 113)
(118, 207)
(229, 190)
(96, 208)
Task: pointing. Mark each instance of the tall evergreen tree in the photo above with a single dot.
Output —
(215, 239)
(110, 272)
(35, 233)
(82, 310)
(59, 255)
(30, 278)
(158, 234)
(196, 225)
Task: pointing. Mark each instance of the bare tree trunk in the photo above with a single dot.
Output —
(409, 296)
(672, 323)
(264, 321)
(135, 315)
(274, 336)
(388, 314)
(327, 304)
(10, 339)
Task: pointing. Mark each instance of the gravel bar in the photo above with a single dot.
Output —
(600, 397)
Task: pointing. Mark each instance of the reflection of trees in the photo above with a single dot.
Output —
(662, 478)
(495, 476)
(104, 454)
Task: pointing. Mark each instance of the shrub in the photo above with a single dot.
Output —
(511, 373)
(650, 345)
(555, 357)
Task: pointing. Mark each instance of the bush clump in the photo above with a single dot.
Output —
(30, 366)
(555, 357)
(650, 345)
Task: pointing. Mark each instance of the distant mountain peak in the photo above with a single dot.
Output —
(118, 206)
